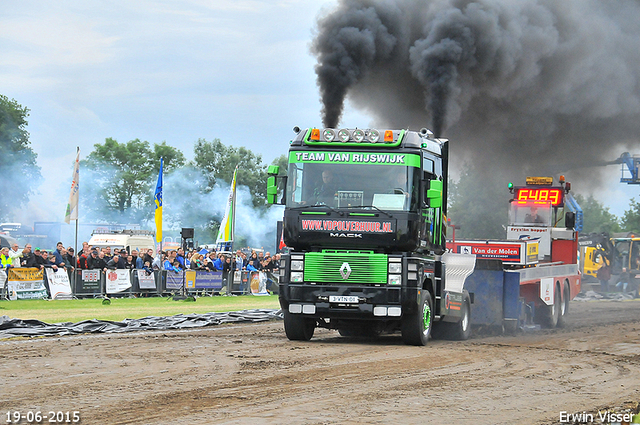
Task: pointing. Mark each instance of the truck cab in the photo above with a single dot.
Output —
(364, 221)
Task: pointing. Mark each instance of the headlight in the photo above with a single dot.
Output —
(297, 276)
(394, 279)
(395, 267)
(297, 266)
(374, 136)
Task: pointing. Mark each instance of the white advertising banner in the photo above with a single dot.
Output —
(146, 280)
(118, 281)
(59, 284)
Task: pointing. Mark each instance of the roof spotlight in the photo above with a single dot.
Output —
(358, 135)
(344, 135)
(329, 134)
(374, 136)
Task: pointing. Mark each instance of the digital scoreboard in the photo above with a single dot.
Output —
(554, 195)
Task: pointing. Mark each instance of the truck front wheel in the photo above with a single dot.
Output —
(298, 327)
(416, 327)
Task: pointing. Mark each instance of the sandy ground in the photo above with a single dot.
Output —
(251, 374)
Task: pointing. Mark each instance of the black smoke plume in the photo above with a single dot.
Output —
(514, 83)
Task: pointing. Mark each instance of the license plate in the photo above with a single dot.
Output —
(343, 299)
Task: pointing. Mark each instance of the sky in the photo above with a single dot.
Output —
(174, 71)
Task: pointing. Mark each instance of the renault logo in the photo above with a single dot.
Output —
(345, 270)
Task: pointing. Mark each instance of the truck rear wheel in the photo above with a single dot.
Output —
(550, 313)
(564, 307)
(416, 327)
(298, 327)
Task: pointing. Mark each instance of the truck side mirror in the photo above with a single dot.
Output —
(434, 194)
(570, 220)
(272, 184)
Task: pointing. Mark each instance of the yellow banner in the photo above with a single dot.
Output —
(27, 274)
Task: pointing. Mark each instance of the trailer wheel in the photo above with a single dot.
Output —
(416, 327)
(564, 307)
(297, 327)
(552, 312)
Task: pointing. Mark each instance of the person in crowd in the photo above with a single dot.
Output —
(67, 256)
(201, 264)
(5, 259)
(84, 255)
(227, 269)
(15, 254)
(180, 257)
(267, 267)
(114, 262)
(129, 262)
(218, 263)
(138, 262)
(239, 262)
(39, 257)
(56, 255)
(67, 259)
(158, 260)
(106, 251)
(98, 261)
(171, 263)
(148, 256)
(48, 261)
(254, 262)
(28, 257)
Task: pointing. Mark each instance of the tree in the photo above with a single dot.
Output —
(478, 203)
(218, 162)
(17, 159)
(122, 176)
(631, 218)
(597, 218)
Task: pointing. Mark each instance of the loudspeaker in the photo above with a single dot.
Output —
(187, 233)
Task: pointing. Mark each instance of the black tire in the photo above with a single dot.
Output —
(564, 307)
(455, 331)
(298, 327)
(416, 327)
(550, 313)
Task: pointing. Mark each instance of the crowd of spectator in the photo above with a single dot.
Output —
(104, 258)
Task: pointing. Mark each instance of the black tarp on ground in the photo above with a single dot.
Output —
(17, 327)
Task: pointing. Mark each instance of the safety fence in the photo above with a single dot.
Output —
(33, 283)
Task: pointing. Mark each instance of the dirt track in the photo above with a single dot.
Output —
(251, 374)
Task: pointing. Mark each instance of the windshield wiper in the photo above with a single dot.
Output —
(317, 206)
(375, 208)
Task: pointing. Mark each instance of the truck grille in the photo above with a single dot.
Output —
(365, 268)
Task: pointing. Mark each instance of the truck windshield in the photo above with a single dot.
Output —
(382, 186)
(530, 213)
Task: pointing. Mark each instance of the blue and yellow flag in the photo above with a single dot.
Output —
(158, 200)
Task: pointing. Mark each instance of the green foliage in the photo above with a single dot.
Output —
(597, 217)
(478, 203)
(17, 159)
(631, 218)
(219, 161)
(122, 176)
